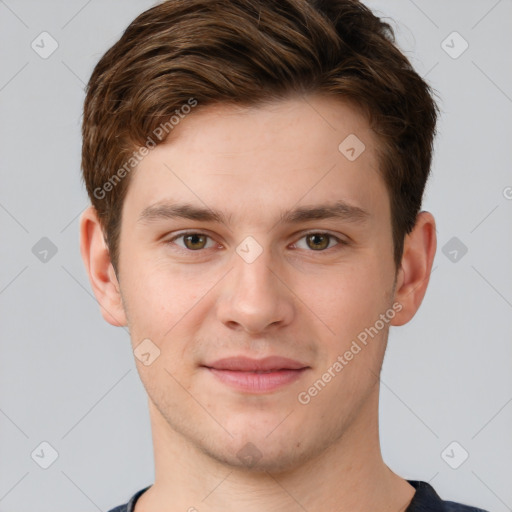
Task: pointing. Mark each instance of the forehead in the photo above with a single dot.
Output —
(318, 122)
(265, 157)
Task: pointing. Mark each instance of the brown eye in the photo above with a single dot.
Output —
(195, 241)
(191, 241)
(317, 241)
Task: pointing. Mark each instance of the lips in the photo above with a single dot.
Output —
(256, 375)
(246, 364)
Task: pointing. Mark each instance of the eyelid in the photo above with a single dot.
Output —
(190, 232)
(339, 240)
(301, 235)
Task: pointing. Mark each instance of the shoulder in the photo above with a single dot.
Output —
(120, 508)
(129, 507)
(451, 506)
(427, 500)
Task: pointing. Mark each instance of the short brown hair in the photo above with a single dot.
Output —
(248, 52)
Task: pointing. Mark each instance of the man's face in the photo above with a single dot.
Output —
(271, 278)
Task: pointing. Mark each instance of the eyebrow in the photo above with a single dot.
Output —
(338, 210)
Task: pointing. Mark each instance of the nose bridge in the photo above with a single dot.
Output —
(254, 278)
(253, 268)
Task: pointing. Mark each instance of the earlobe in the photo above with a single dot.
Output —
(414, 273)
(101, 273)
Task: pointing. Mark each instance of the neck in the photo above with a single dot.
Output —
(350, 475)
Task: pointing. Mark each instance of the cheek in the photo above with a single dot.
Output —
(164, 303)
(147, 295)
(350, 298)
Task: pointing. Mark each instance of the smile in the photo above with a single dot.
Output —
(257, 376)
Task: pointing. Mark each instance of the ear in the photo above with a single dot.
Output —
(101, 273)
(414, 273)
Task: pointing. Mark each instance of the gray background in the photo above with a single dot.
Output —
(69, 378)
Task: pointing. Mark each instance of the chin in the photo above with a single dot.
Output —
(257, 458)
(258, 452)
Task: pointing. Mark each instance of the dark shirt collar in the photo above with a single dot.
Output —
(425, 499)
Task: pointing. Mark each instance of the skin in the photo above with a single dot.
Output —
(293, 300)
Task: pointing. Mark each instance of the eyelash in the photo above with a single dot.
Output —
(189, 251)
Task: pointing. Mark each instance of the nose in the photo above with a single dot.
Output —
(255, 298)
